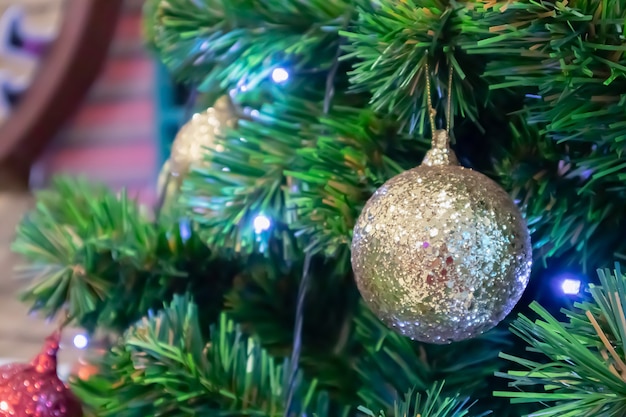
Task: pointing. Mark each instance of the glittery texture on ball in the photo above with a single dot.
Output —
(440, 153)
(441, 253)
(35, 390)
(199, 133)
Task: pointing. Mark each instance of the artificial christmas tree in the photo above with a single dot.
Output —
(242, 301)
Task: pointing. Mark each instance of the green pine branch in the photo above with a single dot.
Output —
(431, 404)
(584, 368)
(73, 237)
(264, 299)
(221, 44)
(393, 42)
(97, 256)
(246, 178)
(353, 154)
(571, 217)
(297, 166)
(403, 364)
(572, 56)
(163, 366)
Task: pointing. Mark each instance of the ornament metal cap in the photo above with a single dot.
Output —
(46, 361)
(440, 153)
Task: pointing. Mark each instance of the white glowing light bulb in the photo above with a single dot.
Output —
(261, 223)
(280, 75)
(81, 341)
(570, 286)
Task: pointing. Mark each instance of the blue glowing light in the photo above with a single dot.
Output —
(280, 75)
(262, 223)
(81, 341)
(185, 230)
(570, 286)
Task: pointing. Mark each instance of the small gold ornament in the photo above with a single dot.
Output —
(441, 253)
(189, 147)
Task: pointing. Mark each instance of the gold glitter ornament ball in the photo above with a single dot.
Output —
(199, 133)
(440, 252)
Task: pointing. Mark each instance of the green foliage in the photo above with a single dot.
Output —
(349, 351)
(248, 179)
(393, 42)
(570, 219)
(222, 44)
(149, 26)
(556, 70)
(96, 256)
(571, 57)
(73, 237)
(338, 352)
(433, 405)
(466, 367)
(263, 302)
(164, 367)
(353, 154)
(572, 54)
(307, 172)
(583, 374)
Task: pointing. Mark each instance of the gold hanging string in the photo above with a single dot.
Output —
(449, 115)
(440, 152)
(432, 113)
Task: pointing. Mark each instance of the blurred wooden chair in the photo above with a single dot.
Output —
(68, 67)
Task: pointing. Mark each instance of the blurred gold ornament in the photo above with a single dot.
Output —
(190, 146)
(440, 252)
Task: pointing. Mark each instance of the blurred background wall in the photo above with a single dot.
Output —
(111, 138)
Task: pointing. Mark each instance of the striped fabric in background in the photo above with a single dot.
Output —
(112, 137)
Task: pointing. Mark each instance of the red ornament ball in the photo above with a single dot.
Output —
(35, 390)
